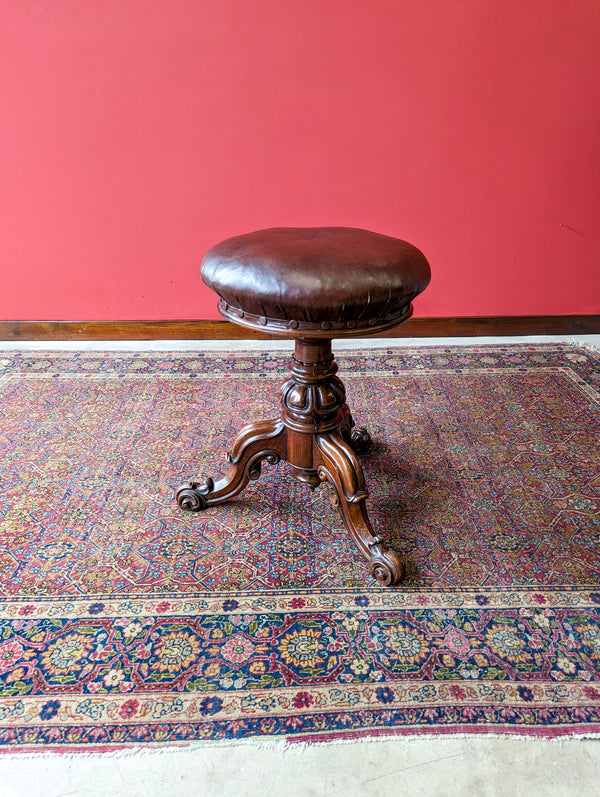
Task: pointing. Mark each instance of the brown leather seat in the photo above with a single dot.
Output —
(315, 281)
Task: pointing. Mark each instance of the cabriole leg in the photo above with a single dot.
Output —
(255, 442)
(339, 465)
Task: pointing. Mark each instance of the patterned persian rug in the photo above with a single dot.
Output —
(125, 621)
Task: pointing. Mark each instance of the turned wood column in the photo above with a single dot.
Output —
(313, 401)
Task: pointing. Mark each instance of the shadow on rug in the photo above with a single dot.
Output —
(126, 621)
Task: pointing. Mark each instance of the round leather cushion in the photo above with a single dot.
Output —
(315, 275)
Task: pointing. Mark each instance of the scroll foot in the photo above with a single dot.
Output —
(386, 567)
(357, 436)
(193, 495)
(360, 439)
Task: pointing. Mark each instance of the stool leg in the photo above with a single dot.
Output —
(338, 464)
(255, 442)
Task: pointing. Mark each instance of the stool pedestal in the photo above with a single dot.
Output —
(316, 435)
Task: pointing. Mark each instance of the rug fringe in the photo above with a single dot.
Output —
(277, 744)
(583, 344)
(283, 746)
(433, 737)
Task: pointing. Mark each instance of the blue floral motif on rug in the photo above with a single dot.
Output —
(126, 621)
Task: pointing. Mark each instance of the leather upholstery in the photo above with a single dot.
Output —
(318, 281)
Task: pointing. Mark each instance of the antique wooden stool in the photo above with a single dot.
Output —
(312, 284)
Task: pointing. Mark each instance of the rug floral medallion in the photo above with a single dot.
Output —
(125, 621)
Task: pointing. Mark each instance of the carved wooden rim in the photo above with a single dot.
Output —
(323, 329)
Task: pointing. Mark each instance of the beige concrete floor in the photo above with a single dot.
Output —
(476, 766)
(469, 767)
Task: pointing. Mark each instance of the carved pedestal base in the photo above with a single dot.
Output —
(316, 435)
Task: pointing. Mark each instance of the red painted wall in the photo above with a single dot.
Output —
(136, 133)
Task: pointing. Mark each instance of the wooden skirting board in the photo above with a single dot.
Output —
(467, 326)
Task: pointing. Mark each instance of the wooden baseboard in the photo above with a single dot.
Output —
(467, 326)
